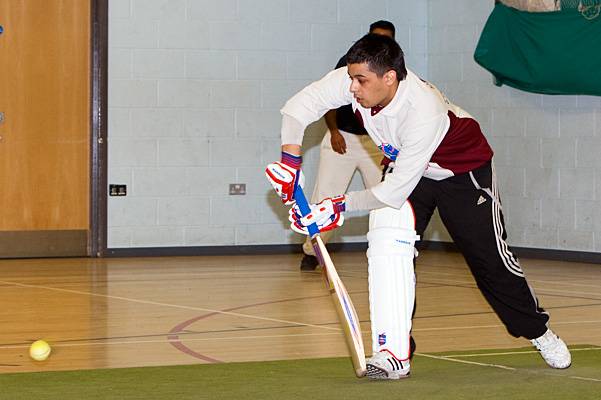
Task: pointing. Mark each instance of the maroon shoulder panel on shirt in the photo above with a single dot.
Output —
(464, 147)
(359, 117)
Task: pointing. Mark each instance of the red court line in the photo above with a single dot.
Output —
(175, 341)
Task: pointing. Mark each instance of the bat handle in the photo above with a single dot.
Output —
(303, 205)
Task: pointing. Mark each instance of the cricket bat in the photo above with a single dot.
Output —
(342, 301)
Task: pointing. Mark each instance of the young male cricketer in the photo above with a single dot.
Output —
(345, 148)
(439, 158)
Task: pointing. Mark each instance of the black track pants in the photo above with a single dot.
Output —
(470, 209)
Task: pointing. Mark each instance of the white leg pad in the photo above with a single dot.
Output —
(390, 255)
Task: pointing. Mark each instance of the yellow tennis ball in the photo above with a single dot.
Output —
(39, 350)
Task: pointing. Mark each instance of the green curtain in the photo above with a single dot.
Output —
(546, 52)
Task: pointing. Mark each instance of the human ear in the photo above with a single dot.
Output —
(390, 77)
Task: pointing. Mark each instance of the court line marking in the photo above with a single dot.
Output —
(156, 303)
(463, 270)
(188, 334)
(295, 323)
(504, 367)
(540, 290)
(471, 281)
(546, 269)
(235, 314)
(108, 342)
(563, 283)
(446, 358)
(161, 341)
(497, 326)
(451, 358)
(585, 379)
(537, 289)
(515, 352)
(529, 277)
(216, 273)
(460, 274)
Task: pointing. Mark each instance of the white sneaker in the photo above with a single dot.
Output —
(383, 365)
(553, 350)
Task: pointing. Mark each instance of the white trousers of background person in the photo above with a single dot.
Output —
(336, 170)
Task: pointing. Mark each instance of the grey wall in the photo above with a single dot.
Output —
(195, 88)
(194, 92)
(546, 147)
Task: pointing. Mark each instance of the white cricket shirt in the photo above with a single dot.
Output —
(434, 138)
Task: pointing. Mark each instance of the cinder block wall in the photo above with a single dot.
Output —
(195, 88)
(546, 147)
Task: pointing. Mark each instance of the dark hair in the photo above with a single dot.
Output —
(381, 24)
(381, 54)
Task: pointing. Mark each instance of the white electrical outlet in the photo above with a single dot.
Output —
(237, 189)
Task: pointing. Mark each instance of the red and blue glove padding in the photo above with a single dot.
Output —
(285, 176)
(327, 214)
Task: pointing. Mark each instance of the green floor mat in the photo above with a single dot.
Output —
(501, 374)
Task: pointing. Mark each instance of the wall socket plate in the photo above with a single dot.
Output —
(237, 189)
(117, 190)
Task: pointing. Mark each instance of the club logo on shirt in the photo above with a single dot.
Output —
(382, 339)
(389, 151)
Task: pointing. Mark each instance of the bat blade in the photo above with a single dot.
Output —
(347, 315)
(345, 309)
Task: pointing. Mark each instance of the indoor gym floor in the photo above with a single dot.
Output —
(111, 313)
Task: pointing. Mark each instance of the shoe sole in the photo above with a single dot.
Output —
(374, 372)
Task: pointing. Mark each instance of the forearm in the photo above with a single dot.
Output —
(330, 118)
(363, 200)
(293, 149)
(292, 134)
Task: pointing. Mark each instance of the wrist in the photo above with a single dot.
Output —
(291, 160)
(339, 203)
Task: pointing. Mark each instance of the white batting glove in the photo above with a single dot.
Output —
(285, 176)
(327, 214)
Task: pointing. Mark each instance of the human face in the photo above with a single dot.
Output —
(368, 88)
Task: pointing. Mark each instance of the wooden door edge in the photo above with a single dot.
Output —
(97, 238)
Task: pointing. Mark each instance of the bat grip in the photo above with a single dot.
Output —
(303, 205)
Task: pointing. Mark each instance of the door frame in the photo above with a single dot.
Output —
(97, 240)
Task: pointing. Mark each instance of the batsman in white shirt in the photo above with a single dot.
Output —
(438, 158)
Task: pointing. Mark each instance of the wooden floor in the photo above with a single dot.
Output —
(181, 310)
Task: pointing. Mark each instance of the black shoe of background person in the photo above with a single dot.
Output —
(309, 263)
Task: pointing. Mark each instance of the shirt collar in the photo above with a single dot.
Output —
(375, 110)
